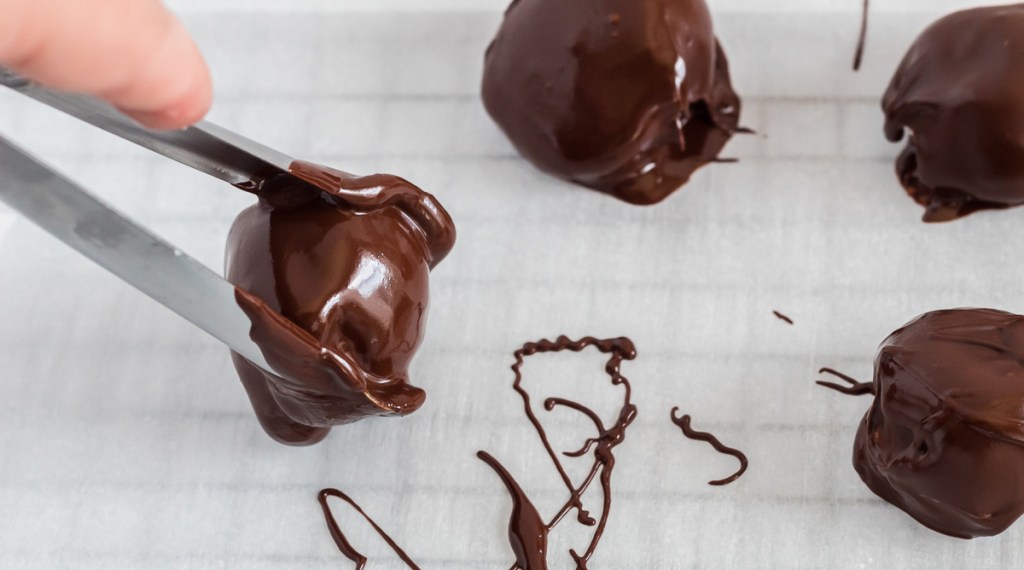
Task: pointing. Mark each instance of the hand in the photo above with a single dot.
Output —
(133, 53)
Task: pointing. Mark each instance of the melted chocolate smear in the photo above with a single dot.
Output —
(858, 56)
(782, 317)
(341, 540)
(684, 425)
(855, 388)
(521, 531)
(527, 532)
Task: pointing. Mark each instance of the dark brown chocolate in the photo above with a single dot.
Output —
(959, 92)
(782, 317)
(347, 268)
(944, 437)
(862, 37)
(341, 540)
(684, 425)
(628, 97)
(527, 533)
(855, 388)
(529, 541)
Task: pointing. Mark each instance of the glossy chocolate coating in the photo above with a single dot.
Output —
(348, 267)
(944, 438)
(628, 97)
(960, 93)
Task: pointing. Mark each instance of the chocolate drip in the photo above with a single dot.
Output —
(855, 388)
(341, 540)
(684, 425)
(527, 533)
(862, 38)
(627, 97)
(959, 95)
(782, 317)
(602, 445)
(333, 271)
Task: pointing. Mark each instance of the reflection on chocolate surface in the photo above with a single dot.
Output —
(348, 269)
(944, 437)
(960, 93)
(628, 97)
(684, 425)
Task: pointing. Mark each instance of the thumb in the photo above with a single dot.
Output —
(133, 53)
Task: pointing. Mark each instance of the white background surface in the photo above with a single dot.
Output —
(127, 442)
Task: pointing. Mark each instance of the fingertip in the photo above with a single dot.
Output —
(188, 109)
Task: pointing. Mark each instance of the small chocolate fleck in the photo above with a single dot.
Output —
(858, 55)
(782, 317)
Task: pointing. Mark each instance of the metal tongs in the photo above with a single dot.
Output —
(126, 249)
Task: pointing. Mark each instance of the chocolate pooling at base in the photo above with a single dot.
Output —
(959, 96)
(944, 437)
(684, 425)
(628, 97)
(333, 272)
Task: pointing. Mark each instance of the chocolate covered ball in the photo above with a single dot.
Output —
(958, 96)
(336, 284)
(628, 97)
(944, 438)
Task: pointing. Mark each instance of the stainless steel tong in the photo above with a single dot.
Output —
(126, 249)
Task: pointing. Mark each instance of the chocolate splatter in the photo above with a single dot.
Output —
(684, 425)
(862, 38)
(782, 317)
(341, 540)
(521, 530)
(855, 388)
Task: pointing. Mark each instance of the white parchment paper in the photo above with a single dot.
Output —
(126, 440)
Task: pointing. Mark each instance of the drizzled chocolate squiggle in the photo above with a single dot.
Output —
(684, 424)
(341, 540)
(782, 317)
(527, 535)
(855, 388)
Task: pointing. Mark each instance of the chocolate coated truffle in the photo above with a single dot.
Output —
(628, 97)
(944, 438)
(348, 268)
(960, 93)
